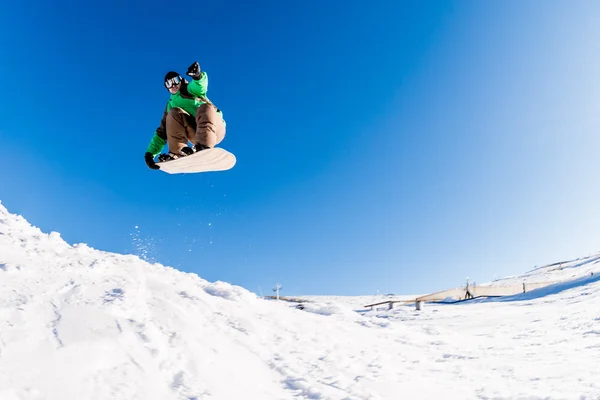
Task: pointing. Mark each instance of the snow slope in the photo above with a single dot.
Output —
(78, 323)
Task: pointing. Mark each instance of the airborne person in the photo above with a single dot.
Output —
(189, 116)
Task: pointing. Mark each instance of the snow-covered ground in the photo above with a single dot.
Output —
(78, 323)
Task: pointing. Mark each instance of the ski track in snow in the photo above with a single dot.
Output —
(78, 323)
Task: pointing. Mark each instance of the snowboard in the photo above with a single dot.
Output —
(209, 160)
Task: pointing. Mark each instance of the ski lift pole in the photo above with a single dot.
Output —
(278, 287)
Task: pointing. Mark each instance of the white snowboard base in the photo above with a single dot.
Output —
(215, 159)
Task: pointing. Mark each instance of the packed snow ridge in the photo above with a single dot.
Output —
(79, 323)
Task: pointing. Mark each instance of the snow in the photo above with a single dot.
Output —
(79, 323)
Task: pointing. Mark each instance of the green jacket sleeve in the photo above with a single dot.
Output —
(156, 145)
(199, 87)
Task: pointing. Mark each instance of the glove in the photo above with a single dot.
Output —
(194, 71)
(150, 161)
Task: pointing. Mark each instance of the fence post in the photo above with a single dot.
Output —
(418, 305)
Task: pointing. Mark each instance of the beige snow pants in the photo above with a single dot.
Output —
(207, 128)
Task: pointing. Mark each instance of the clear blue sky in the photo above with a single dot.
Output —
(397, 147)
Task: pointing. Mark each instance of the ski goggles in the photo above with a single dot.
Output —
(169, 83)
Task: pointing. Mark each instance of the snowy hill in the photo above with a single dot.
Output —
(78, 323)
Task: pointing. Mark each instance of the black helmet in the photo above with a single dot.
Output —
(172, 78)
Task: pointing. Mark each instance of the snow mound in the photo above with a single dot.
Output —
(79, 323)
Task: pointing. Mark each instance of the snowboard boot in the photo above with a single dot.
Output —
(200, 147)
(172, 156)
(187, 151)
(164, 157)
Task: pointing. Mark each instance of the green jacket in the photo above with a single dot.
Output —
(189, 97)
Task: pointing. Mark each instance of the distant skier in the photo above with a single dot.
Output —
(189, 116)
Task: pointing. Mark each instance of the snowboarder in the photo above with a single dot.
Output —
(189, 116)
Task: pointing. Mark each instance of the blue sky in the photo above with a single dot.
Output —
(397, 147)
